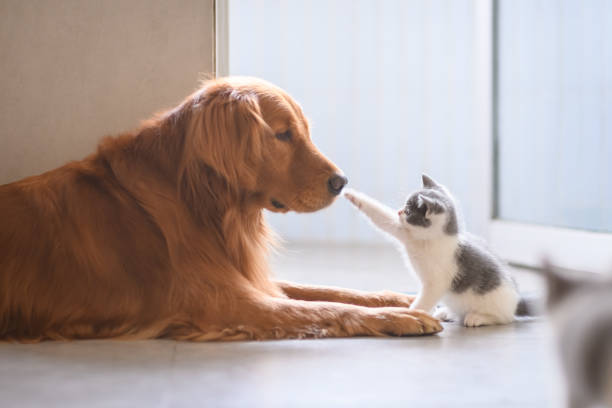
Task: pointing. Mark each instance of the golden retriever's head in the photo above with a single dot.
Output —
(256, 137)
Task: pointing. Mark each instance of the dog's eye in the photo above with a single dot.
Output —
(285, 136)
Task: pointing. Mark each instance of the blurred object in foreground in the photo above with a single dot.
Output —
(581, 306)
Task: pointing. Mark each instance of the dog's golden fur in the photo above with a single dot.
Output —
(160, 233)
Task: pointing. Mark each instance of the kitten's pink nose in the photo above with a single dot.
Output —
(399, 212)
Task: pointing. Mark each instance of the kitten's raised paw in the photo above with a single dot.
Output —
(443, 314)
(353, 197)
(477, 319)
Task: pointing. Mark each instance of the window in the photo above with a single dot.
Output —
(554, 131)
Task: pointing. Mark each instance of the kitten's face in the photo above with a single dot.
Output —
(429, 212)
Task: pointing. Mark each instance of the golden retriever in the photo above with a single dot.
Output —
(160, 233)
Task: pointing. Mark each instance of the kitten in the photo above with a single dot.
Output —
(581, 308)
(453, 266)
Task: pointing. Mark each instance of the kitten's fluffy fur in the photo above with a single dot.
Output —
(453, 266)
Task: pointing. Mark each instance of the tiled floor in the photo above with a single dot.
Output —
(507, 366)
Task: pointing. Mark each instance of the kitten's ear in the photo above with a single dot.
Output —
(428, 182)
(426, 204)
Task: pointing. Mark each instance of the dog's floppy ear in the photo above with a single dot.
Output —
(224, 133)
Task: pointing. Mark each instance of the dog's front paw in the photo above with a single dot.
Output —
(393, 299)
(399, 321)
(354, 197)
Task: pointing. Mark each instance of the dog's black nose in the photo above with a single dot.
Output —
(336, 183)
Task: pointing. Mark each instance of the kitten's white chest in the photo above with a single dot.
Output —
(433, 260)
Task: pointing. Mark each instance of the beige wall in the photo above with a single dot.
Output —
(72, 71)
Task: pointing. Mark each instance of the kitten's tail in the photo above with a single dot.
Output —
(530, 306)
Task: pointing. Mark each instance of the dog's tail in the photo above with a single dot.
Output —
(530, 306)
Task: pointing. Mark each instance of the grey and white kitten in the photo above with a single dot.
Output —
(581, 308)
(453, 267)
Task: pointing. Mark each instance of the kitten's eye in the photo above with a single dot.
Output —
(285, 136)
